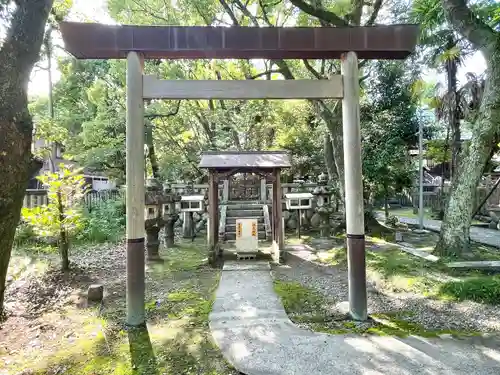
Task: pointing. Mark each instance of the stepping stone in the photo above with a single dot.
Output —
(495, 264)
(246, 266)
(406, 247)
(95, 292)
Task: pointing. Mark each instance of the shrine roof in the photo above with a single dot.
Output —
(245, 159)
(98, 41)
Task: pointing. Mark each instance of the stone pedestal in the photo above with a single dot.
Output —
(153, 242)
(187, 225)
(169, 230)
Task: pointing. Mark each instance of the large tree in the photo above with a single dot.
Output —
(476, 27)
(19, 51)
(388, 127)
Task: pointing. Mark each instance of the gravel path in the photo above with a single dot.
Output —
(331, 282)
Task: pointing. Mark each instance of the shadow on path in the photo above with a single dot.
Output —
(141, 351)
(253, 331)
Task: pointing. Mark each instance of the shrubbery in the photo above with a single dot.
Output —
(105, 223)
(485, 289)
(24, 234)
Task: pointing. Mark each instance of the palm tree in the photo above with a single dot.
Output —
(445, 50)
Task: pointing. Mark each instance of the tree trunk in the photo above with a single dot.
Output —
(64, 251)
(454, 237)
(18, 54)
(386, 203)
(155, 168)
(63, 235)
(333, 121)
(328, 156)
(453, 112)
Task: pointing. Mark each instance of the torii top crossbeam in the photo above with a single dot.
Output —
(96, 41)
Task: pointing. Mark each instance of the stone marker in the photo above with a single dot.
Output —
(95, 292)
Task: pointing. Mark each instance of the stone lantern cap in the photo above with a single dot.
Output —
(319, 190)
(298, 195)
(154, 198)
(153, 184)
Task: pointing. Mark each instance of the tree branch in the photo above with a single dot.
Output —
(469, 25)
(320, 13)
(247, 13)
(23, 41)
(262, 74)
(264, 12)
(149, 12)
(229, 12)
(310, 68)
(356, 12)
(373, 17)
(165, 115)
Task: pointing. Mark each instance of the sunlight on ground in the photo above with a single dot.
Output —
(94, 341)
(395, 270)
(308, 308)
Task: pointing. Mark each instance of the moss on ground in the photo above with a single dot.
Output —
(176, 341)
(297, 298)
(399, 271)
(306, 307)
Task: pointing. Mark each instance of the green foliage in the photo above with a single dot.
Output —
(105, 223)
(389, 125)
(485, 289)
(63, 213)
(24, 234)
(437, 151)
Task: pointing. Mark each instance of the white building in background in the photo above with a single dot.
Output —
(97, 180)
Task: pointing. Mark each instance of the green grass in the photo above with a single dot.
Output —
(306, 306)
(398, 271)
(483, 289)
(297, 298)
(176, 341)
(408, 212)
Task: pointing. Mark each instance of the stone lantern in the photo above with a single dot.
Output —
(153, 222)
(324, 209)
(189, 205)
(323, 200)
(170, 216)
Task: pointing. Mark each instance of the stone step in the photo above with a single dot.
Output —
(244, 206)
(246, 256)
(232, 220)
(231, 236)
(244, 202)
(244, 213)
(232, 227)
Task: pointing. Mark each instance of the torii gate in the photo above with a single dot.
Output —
(136, 43)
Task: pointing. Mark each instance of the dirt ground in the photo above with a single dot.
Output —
(52, 329)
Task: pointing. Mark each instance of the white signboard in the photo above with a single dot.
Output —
(192, 203)
(298, 201)
(247, 235)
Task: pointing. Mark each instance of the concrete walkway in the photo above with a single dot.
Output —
(485, 236)
(250, 326)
